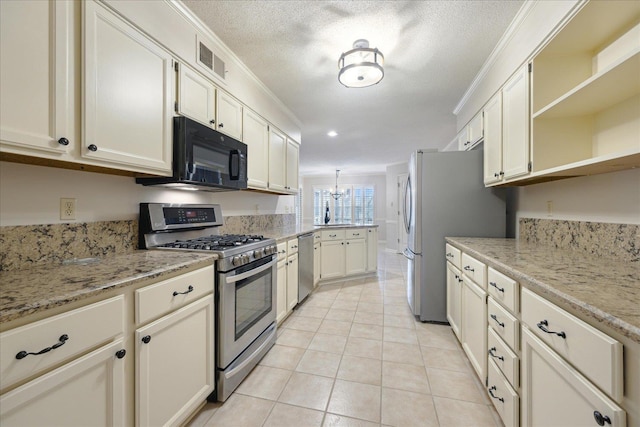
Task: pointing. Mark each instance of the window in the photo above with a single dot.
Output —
(356, 205)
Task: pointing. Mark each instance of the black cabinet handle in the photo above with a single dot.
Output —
(543, 325)
(221, 125)
(501, 173)
(63, 339)
(495, 285)
(92, 147)
(449, 255)
(491, 350)
(601, 419)
(146, 339)
(189, 289)
(213, 122)
(63, 141)
(491, 389)
(496, 174)
(468, 268)
(121, 353)
(494, 317)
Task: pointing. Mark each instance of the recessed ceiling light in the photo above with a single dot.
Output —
(332, 133)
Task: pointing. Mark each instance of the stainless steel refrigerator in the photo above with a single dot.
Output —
(445, 196)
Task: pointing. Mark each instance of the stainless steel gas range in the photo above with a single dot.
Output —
(245, 288)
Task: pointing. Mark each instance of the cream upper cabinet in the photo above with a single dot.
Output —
(475, 130)
(229, 115)
(255, 132)
(462, 139)
(493, 140)
(128, 95)
(196, 96)
(277, 159)
(293, 155)
(36, 77)
(515, 124)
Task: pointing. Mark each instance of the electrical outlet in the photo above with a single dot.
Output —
(67, 208)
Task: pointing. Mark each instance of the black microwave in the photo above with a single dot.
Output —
(204, 159)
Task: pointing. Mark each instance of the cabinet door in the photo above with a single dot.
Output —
(316, 264)
(196, 96)
(281, 302)
(292, 281)
(175, 364)
(515, 124)
(476, 131)
(128, 95)
(454, 299)
(493, 140)
(255, 132)
(474, 326)
(89, 391)
(332, 262)
(229, 111)
(36, 73)
(555, 394)
(277, 163)
(372, 249)
(356, 256)
(293, 156)
(463, 139)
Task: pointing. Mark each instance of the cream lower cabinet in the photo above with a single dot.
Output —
(556, 394)
(356, 256)
(332, 259)
(128, 89)
(372, 249)
(316, 263)
(474, 325)
(175, 364)
(287, 281)
(454, 299)
(281, 303)
(292, 281)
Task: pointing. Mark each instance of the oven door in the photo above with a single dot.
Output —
(246, 307)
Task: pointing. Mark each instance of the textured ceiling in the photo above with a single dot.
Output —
(432, 49)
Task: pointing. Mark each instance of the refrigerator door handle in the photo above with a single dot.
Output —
(407, 195)
(408, 254)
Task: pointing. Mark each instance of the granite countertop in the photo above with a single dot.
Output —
(602, 289)
(285, 233)
(23, 292)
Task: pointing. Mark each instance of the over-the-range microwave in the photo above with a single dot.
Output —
(203, 159)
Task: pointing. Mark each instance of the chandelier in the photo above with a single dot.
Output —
(362, 66)
(337, 194)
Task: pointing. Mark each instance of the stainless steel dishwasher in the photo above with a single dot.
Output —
(305, 265)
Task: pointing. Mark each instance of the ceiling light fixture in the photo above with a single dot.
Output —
(332, 133)
(362, 66)
(337, 194)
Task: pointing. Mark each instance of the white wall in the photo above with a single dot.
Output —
(612, 197)
(392, 206)
(329, 181)
(31, 195)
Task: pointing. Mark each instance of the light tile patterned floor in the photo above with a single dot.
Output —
(353, 355)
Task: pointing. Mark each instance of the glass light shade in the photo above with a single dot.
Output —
(361, 67)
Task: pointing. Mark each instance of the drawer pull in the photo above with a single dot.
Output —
(543, 327)
(189, 289)
(601, 419)
(494, 317)
(501, 399)
(333, 235)
(495, 285)
(491, 350)
(121, 353)
(468, 268)
(61, 341)
(146, 339)
(449, 255)
(356, 234)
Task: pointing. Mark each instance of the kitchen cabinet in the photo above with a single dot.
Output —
(493, 140)
(128, 95)
(332, 259)
(196, 96)
(372, 249)
(316, 263)
(229, 115)
(287, 280)
(292, 162)
(277, 160)
(504, 398)
(175, 364)
(255, 132)
(355, 253)
(474, 325)
(292, 273)
(515, 124)
(37, 106)
(454, 299)
(281, 303)
(472, 134)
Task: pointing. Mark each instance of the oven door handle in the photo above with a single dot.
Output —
(241, 276)
(241, 366)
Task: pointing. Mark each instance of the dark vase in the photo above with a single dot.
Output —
(327, 218)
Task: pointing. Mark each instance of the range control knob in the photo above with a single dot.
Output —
(236, 261)
(259, 253)
(272, 249)
(245, 259)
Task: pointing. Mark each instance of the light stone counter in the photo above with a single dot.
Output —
(28, 291)
(601, 289)
(284, 233)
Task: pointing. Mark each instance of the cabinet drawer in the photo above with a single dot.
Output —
(328, 235)
(505, 359)
(505, 325)
(316, 237)
(503, 397)
(453, 255)
(504, 289)
(292, 247)
(595, 354)
(475, 270)
(356, 234)
(85, 328)
(282, 251)
(155, 300)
